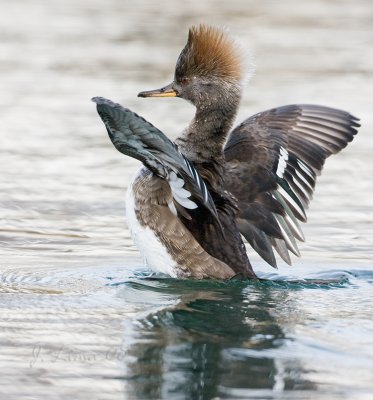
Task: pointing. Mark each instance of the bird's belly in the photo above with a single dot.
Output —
(153, 251)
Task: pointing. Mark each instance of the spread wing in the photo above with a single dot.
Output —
(134, 136)
(273, 159)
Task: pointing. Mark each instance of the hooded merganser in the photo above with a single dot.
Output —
(189, 204)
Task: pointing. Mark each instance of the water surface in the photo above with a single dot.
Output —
(80, 315)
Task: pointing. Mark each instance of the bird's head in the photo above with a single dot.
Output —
(212, 67)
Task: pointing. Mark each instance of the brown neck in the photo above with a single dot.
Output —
(204, 138)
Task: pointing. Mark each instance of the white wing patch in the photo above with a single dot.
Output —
(282, 161)
(180, 194)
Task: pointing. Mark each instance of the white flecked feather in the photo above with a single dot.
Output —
(180, 194)
(282, 161)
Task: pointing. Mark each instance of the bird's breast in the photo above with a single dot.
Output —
(143, 191)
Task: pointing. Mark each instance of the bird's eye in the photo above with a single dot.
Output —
(184, 80)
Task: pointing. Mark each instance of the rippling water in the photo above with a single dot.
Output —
(80, 316)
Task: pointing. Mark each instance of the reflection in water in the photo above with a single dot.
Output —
(217, 340)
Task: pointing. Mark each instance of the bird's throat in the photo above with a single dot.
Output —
(204, 138)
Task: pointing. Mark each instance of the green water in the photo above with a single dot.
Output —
(245, 340)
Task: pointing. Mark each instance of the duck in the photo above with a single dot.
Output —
(196, 202)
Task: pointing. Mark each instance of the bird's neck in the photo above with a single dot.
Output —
(203, 140)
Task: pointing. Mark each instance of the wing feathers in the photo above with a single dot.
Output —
(134, 136)
(289, 217)
(287, 235)
(258, 240)
(280, 246)
(291, 144)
